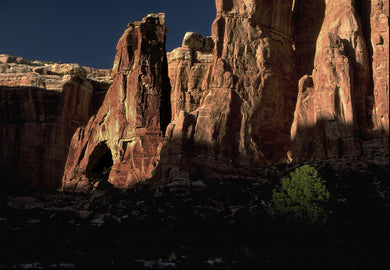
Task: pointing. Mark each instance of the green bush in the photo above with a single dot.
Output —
(304, 198)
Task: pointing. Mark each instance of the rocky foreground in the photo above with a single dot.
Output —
(207, 224)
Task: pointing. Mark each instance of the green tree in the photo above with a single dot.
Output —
(304, 198)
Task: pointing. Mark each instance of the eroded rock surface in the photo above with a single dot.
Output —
(121, 144)
(308, 19)
(41, 106)
(189, 67)
(248, 100)
(379, 24)
(335, 114)
(277, 80)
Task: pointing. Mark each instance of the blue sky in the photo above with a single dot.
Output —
(86, 31)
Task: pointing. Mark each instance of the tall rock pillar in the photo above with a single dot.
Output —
(249, 95)
(121, 144)
(339, 112)
(379, 23)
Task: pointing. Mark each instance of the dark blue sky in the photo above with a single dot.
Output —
(86, 31)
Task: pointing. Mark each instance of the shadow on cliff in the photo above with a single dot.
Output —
(27, 115)
(328, 139)
(307, 26)
(363, 9)
(36, 128)
(325, 140)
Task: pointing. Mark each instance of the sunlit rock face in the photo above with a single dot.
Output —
(41, 106)
(189, 67)
(249, 95)
(121, 144)
(379, 24)
(342, 106)
(278, 80)
(275, 59)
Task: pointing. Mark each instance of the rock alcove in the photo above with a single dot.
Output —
(100, 163)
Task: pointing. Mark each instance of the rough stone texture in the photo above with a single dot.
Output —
(122, 142)
(334, 116)
(309, 76)
(379, 23)
(249, 98)
(41, 105)
(308, 18)
(188, 69)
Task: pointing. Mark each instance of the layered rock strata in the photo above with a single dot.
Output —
(41, 106)
(249, 98)
(337, 113)
(121, 144)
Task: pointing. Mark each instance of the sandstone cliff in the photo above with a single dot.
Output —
(379, 24)
(248, 102)
(189, 67)
(342, 106)
(122, 142)
(277, 81)
(41, 105)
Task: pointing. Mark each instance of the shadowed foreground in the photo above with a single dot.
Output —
(201, 224)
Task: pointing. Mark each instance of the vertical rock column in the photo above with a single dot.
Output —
(380, 65)
(331, 113)
(188, 70)
(249, 97)
(252, 85)
(122, 142)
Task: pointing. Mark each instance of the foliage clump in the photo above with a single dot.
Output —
(304, 198)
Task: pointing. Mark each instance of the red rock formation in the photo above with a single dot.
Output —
(233, 102)
(308, 19)
(188, 69)
(41, 105)
(249, 97)
(122, 142)
(379, 24)
(249, 105)
(333, 116)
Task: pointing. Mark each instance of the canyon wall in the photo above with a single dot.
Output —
(342, 107)
(278, 81)
(121, 143)
(248, 100)
(328, 65)
(41, 106)
(189, 67)
(379, 25)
